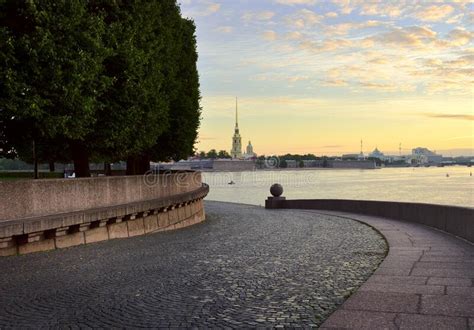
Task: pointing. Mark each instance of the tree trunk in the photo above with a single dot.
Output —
(131, 162)
(35, 161)
(138, 165)
(51, 166)
(144, 164)
(80, 157)
(107, 169)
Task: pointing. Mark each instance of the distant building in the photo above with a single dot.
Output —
(233, 165)
(422, 155)
(291, 163)
(350, 156)
(361, 164)
(310, 163)
(361, 154)
(377, 154)
(236, 151)
(249, 154)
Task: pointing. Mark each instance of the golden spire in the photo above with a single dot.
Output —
(236, 114)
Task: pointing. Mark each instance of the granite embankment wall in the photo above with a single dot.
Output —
(39, 215)
(455, 220)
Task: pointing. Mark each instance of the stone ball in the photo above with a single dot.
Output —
(276, 190)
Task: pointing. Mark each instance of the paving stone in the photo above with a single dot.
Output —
(393, 271)
(462, 273)
(460, 291)
(448, 305)
(383, 302)
(403, 288)
(390, 263)
(360, 320)
(453, 281)
(420, 280)
(445, 265)
(429, 322)
(447, 259)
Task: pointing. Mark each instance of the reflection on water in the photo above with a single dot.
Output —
(426, 185)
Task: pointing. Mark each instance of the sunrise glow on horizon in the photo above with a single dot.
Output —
(317, 76)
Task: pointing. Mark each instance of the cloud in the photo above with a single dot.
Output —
(335, 82)
(344, 28)
(295, 2)
(258, 16)
(303, 18)
(279, 77)
(449, 116)
(378, 60)
(213, 8)
(345, 6)
(331, 14)
(224, 29)
(295, 35)
(413, 36)
(388, 86)
(458, 37)
(325, 45)
(434, 13)
(380, 9)
(205, 9)
(270, 35)
(297, 78)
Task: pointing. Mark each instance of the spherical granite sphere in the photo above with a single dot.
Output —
(276, 190)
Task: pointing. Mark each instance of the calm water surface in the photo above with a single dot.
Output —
(423, 184)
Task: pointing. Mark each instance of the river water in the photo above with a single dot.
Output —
(452, 185)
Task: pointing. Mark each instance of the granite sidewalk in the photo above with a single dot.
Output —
(425, 282)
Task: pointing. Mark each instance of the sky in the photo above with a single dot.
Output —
(317, 76)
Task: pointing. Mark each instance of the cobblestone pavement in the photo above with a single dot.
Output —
(245, 266)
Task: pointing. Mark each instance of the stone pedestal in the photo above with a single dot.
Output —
(274, 202)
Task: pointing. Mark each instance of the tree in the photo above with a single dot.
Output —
(212, 154)
(50, 65)
(182, 88)
(202, 154)
(99, 79)
(223, 154)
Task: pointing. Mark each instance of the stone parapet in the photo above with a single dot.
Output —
(21, 199)
(60, 230)
(455, 220)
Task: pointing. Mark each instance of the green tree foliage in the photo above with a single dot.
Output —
(223, 154)
(102, 79)
(212, 154)
(182, 88)
(50, 73)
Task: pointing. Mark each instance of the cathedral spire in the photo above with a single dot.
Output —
(236, 151)
(236, 114)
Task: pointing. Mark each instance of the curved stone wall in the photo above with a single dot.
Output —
(455, 220)
(39, 215)
(32, 198)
